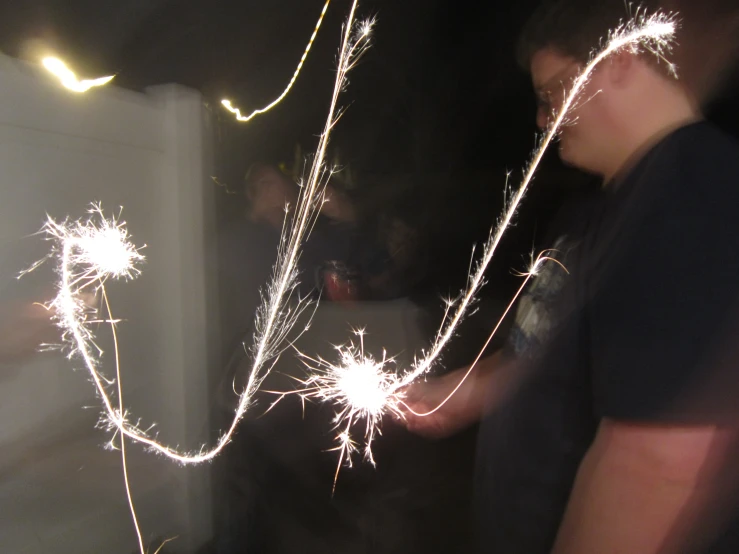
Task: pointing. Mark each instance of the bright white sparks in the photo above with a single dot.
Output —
(239, 117)
(653, 33)
(361, 388)
(90, 251)
(69, 80)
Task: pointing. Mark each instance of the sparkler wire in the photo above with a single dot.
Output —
(121, 410)
(532, 273)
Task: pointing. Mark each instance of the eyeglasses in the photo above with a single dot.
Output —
(553, 91)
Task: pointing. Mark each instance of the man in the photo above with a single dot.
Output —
(619, 434)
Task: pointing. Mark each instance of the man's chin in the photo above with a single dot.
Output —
(568, 159)
(565, 154)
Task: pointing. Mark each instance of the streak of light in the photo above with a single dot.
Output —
(243, 118)
(654, 33)
(533, 272)
(360, 386)
(90, 251)
(121, 410)
(68, 79)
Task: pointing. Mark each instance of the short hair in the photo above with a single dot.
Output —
(574, 27)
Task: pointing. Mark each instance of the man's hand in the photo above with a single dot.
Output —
(457, 413)
(337, 206)
(464, 407)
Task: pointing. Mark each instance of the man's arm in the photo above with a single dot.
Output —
(647, 489)
(479, 393)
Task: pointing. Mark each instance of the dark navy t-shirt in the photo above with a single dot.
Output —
(645, 331)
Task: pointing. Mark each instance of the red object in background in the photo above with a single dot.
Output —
(340, 284)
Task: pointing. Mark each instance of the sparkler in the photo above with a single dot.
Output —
(89, 252)
(69, 80)
(360, 386)
(533, 271)
(227, 103)
(653, 33)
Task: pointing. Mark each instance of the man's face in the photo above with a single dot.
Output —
(553, 75)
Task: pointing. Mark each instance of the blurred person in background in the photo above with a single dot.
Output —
(343, 255)
(611, 423)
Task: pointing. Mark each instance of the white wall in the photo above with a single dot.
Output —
(149, 153)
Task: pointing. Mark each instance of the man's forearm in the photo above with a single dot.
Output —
(644, 499)
(495, 377)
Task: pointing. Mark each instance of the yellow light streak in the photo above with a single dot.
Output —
(68, 79)
(229, 106)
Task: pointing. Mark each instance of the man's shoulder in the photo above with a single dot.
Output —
(697, 164)
(704, 143)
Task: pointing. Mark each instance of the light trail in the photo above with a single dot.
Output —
(361, 388)
(533, 272)
(90, 251)
(119, 381)
(244, 118)
(68, 79)
(654, 33)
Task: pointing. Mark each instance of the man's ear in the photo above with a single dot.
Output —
(621, 66)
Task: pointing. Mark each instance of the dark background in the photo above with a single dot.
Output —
(438, 112)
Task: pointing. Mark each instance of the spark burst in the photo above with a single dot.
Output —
(361, 388)
(69, 80)
(654, 33)
(243, 118)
